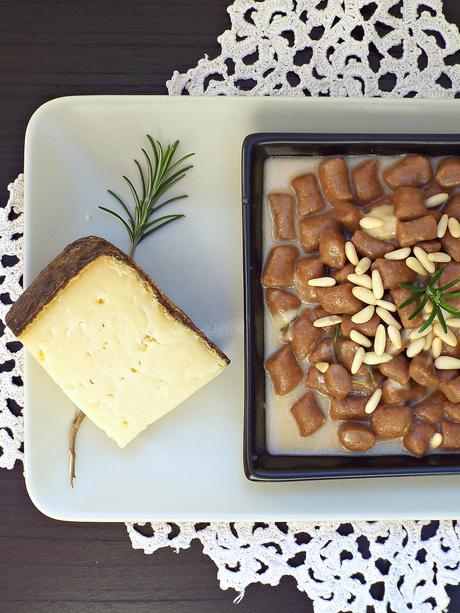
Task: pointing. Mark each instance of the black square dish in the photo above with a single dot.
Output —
(259, 465)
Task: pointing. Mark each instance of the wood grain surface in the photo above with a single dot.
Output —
(68, 47)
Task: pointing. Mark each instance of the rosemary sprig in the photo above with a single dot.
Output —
(335, 343)
(161, 173)
(438, 296)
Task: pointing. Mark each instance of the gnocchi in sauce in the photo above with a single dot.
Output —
(348, 370)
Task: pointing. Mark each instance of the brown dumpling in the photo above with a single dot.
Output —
(448, 172)
(304, 335)
(313, 227)
(356, 437)
(315, 380)
(368, 246)
(338, 381)
(284, 370)
(309, 197)
(393, 272)
(417, 440)
(351, 407)
(339, 299)
(306, 269)
(409, 203)
(391, 422)
(333, 176)
(280, 266)
(332, 249)
(409, 233)
(365, 181)
(282, 207)
(282, 305)
(431, 409)
(411, 170)
(307, 414)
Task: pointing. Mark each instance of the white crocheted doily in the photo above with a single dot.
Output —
(288, 47)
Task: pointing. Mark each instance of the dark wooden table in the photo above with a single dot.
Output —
(66, 47)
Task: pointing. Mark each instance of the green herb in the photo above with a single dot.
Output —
(371, 374)
(438, 296)
(161, 173)
(335, 343)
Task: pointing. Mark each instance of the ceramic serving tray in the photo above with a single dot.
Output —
(189, 465)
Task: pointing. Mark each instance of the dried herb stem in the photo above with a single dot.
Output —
(76, 423)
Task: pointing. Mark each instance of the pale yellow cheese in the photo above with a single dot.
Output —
(118, 354)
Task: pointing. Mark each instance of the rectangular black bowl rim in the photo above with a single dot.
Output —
(252, 471)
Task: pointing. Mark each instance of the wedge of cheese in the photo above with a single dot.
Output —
(120, 350)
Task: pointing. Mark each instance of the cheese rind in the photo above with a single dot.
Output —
(121, 351)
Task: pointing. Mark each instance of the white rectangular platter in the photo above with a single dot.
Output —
(188, 466)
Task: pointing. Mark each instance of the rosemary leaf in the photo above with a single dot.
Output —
(371, 374)
(434, 279)
(409, 301)
(441, 319)
(335, 343)
(420, 307)
(160, 172)
(449, 285)
(429, 320)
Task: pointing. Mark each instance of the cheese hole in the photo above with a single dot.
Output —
(125, 422)
(91, 381)
(133, 369)
(41, 355)
(110, 395)
(101, 301)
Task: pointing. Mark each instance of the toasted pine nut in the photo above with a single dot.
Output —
(452, 322)
(398, 254)
(394, 335)
(415, 348)
(350, 252)
(380, 340)
(422, 257)
(454, 227)
(371, 358)
(322, 282)
(447, 337)
(363, 265)
(329, 320)
(442, 225)
(388, 318)
(322, 366)
(415, 265)
(439, 256)
(415, 334)
(428, 341)
(387, 305)
(446, 362)
(370, 223)
(360, 338)
(373, 402)
(357, 360)
(363, 316)
(436, 200)
(436, 440)
(363, 294)
(436, 347)
(361, 280)
(377, 285)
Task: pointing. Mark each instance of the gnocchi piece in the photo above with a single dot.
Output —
(282, 207)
